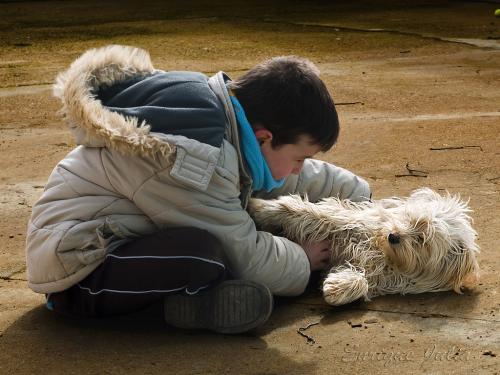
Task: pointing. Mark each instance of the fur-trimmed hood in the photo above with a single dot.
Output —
(92, 123)
(113, 97)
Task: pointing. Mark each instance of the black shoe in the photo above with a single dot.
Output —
(233, 306)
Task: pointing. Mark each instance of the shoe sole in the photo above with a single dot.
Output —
(234, 306)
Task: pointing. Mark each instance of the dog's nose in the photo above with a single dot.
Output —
(394, 238)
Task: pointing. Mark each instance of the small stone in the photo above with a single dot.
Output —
(11, 236)
(371, 321)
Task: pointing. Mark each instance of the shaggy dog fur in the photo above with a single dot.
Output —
(424, 243)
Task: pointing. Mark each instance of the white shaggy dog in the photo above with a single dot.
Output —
(423, 243)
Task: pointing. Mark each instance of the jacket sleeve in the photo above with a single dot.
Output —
(319, 179)
(280, 264)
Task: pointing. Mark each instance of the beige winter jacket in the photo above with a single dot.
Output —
(126, 181)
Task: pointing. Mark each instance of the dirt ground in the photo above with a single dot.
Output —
(408, 77)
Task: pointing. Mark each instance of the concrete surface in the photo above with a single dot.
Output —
(408, 76)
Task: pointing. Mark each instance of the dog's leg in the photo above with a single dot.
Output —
(343, 285)
(267, 214)
(293, 217)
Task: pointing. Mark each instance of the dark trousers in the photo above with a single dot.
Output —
(140, 273)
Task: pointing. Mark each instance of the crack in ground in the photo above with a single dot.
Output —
(419, 314)
(480, 43)
(430, 117)
(431, 315)
(12, 279)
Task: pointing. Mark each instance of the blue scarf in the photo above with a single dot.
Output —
(261, 174)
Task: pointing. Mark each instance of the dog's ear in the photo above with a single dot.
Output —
(421, 224)
(422, 227)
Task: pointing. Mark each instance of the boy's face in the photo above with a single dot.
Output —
(287, 159)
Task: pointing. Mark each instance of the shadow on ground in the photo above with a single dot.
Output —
(58, 344)
(143, 343)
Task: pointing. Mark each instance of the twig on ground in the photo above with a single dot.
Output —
(308, 326)
(454, 148)
(413, 172)
(301, 330)
(350, 103)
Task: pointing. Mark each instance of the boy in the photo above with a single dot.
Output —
(151, 205)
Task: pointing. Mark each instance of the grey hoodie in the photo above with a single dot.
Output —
(154, 159)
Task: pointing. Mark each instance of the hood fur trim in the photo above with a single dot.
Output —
(104, 67)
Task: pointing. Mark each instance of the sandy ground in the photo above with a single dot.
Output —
(407, 77)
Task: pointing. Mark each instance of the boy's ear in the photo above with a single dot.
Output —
(263, 135)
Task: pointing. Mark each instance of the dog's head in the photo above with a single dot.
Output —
(430, 238)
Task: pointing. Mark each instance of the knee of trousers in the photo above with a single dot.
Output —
(205, 245)
(198, 241)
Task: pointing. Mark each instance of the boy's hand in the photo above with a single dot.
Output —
(318, 253)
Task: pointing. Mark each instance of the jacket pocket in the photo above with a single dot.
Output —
(85, 243)
(108, 236)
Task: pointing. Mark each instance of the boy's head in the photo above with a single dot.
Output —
(288, 105)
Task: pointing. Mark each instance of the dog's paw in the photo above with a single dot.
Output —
(344, 286)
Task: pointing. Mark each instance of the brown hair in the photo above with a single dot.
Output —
(286, 96)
